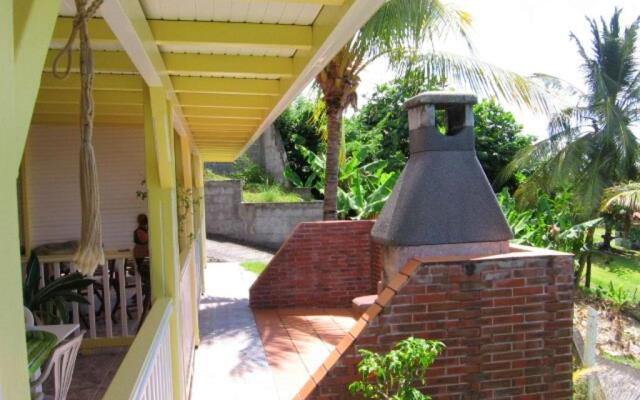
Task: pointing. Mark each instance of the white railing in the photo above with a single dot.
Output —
(188, 296)
(115, 286)
(146, 371)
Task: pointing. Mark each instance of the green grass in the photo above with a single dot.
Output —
(626, 360)
(254, 266)
(212, 176)
(269, 194)
(621, 269)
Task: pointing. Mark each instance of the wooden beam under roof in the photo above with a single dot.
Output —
(100, 82)
(71, 119)
(100, 109)
(192, 84)
(111, 62)
(224, 113)
(118, 62)
(201, 33)
(225, 101)
(232, 66)
(100, 97)
(182, 84)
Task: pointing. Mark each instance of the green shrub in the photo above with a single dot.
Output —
(394, 375)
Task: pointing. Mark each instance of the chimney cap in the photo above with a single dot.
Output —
(440, 98)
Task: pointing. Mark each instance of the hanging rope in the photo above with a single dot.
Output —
(90, 253)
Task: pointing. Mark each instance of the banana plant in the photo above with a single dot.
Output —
(363, 189)
(50, 302)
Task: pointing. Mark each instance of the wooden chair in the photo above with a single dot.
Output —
(61, 363)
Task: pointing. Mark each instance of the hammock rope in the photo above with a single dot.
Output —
(90, 253)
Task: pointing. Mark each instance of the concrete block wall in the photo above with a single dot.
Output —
(322, 264)
(506, 321)
(262, 224)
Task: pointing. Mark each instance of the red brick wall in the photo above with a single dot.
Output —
(322, 264)
(507, 328)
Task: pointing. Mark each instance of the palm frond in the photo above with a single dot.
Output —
(625, 196)
(488, 79)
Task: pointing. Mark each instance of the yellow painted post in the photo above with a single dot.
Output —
(26, 31)
(201, 234)
(163, 222)
(34, 24)
(14, 382)
(187, 177)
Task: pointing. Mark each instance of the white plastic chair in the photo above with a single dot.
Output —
(29, 321)
(62, 363)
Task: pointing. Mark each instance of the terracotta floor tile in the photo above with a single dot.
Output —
(304, 341)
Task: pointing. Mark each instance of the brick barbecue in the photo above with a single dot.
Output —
(441, 247)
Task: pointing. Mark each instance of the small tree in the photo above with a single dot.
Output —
(393, 376)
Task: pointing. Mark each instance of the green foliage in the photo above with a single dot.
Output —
(618, 296)
(268, 193)
(381, 127)
(209, 175)
(552, 223)
(622, 359)
(49, 303)
(591, 146)
(395, 375)
(363, 188)
(298, 127)
(541, 224)
(498, 139)
(250, 172)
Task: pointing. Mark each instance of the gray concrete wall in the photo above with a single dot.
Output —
(262, 224)
(267, 151)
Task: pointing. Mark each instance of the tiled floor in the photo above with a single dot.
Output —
(230, 363)
(93, 373)
(297, 342)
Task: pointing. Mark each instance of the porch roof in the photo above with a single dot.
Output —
(229, 67)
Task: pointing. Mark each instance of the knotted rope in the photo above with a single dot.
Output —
(90, 253)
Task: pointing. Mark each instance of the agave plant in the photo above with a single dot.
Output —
(50, 302)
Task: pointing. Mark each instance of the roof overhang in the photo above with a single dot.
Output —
(227, 72)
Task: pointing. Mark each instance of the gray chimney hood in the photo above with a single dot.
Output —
(442, 195)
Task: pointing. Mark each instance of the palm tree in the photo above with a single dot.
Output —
(398, 32)
(591, 146)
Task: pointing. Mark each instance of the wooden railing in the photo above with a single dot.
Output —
(114, 286)
(146, 371)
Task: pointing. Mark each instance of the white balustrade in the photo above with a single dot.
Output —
(116, 282)
(145, 372)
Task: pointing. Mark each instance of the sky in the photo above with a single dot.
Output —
(523, 36)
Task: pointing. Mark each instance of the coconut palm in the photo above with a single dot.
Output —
(591, 146)
(398, 32)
